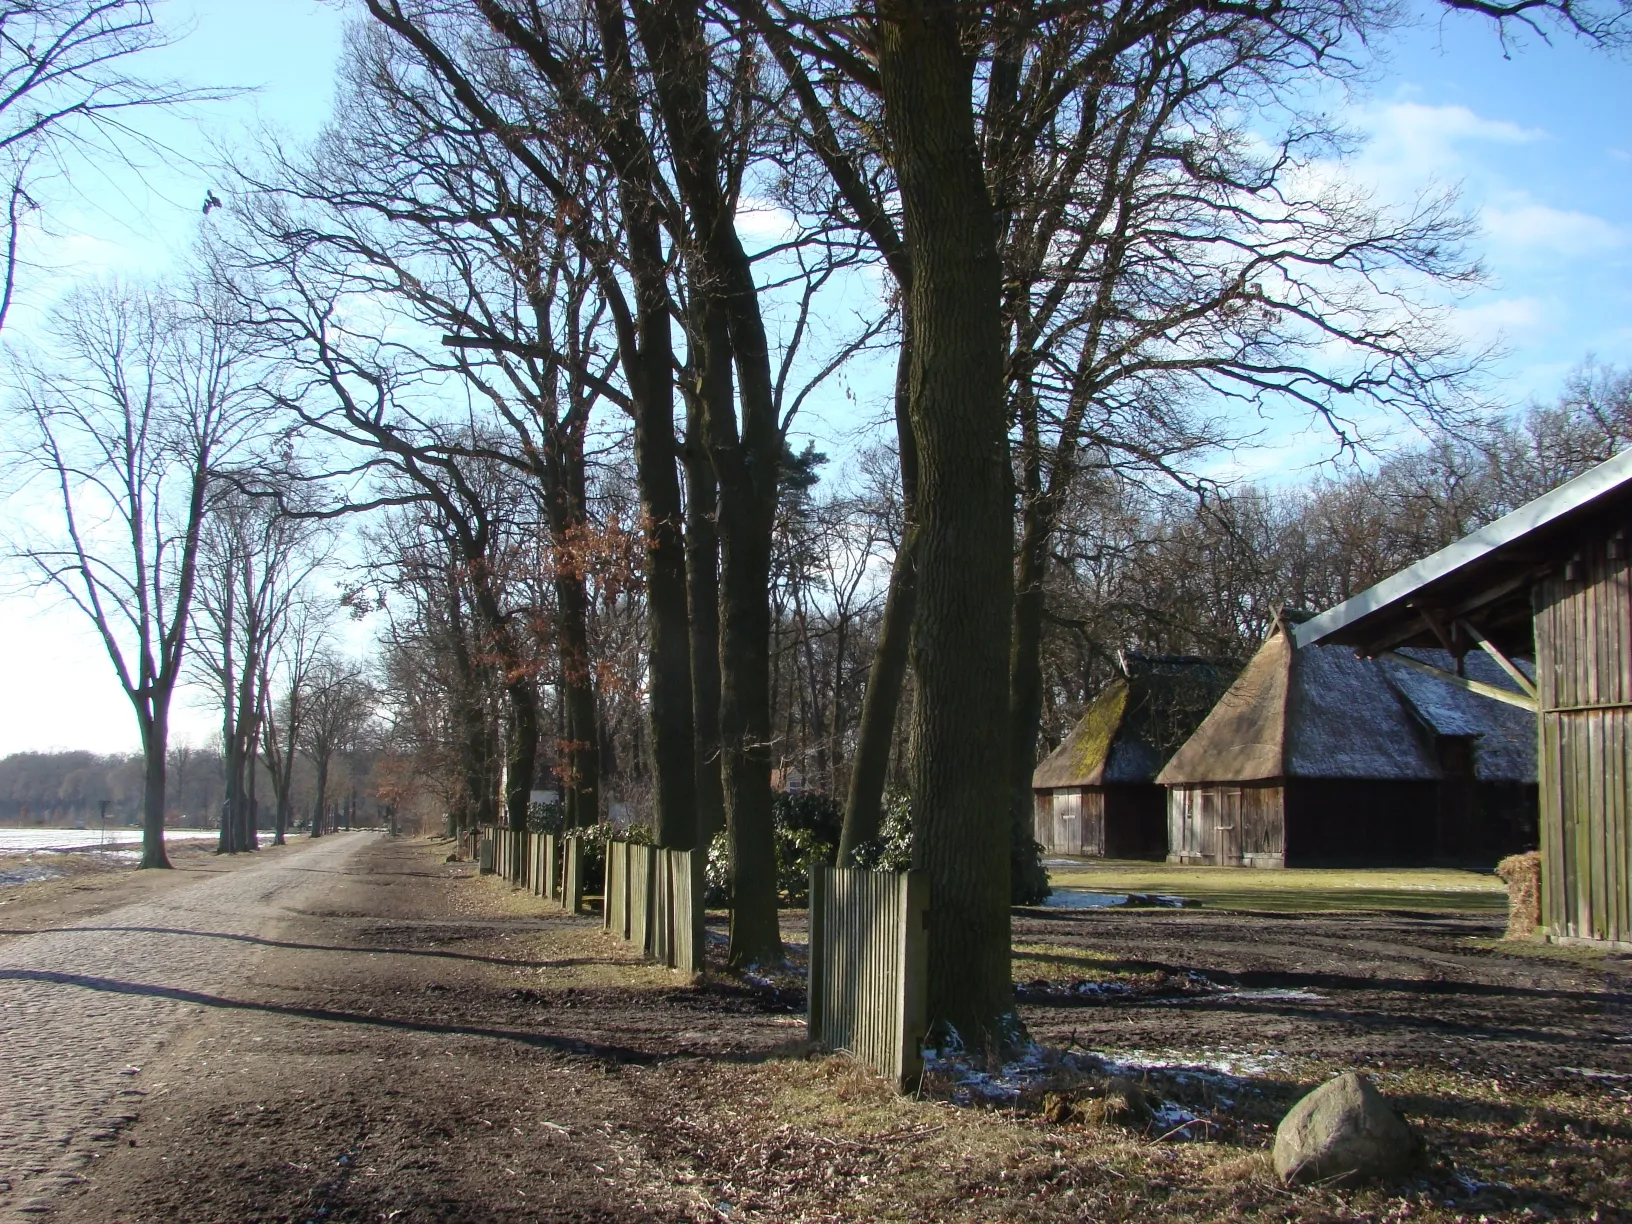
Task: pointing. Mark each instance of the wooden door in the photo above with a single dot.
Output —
(1227, 826)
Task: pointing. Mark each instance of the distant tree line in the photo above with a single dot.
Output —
(60, 789)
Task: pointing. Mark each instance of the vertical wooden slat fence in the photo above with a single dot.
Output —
(868, 950)
(654, 900)
(546, 864)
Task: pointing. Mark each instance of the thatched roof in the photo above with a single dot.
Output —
(1132, 727)
(1322, 712)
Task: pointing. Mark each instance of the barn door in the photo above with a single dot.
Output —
(1227, 827)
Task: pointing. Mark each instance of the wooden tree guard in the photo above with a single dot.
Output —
(868, 952)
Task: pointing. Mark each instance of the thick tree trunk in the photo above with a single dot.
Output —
(581, 785)
(965, 531)
(668, 692)
(668, 689)
(280, 814)
(648, 360)
(226, 841)
(322, 795)
(155, 744)
(721, 278)
(521, 752)
(864, 800)
(745, 736)
(714, 383)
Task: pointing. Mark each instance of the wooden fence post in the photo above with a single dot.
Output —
(572, 889)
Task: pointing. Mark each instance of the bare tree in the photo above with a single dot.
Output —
(119, 427)
(286, 672)
(253, 562)
(67, 96)
(340, 702)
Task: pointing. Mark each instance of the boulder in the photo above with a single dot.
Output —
(1343, 1132)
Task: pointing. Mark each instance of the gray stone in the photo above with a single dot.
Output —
(1343, 1131)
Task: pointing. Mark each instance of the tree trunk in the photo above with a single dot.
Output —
(252, 807)
(1028, 881)
(648, 361)
(322, 796)
(864, 801)
(565, 497)
(964, 541)
(521, 752)
(721, 277)
(745, 735)
(713, 382)
(155, 744)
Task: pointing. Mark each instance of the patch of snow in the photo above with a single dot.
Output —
(26, 873)
(1269, 994)
(1235, 1064)
(88, 839)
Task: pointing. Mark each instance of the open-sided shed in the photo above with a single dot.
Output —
(1554, 578)
(1096, 794)
(1317, 756)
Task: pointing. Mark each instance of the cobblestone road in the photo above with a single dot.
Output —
(82, 1007)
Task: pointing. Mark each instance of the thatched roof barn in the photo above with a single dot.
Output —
(1552, 579)
(1096, 793)
(1320, 756)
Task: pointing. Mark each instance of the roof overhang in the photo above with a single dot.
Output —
(1481, 584)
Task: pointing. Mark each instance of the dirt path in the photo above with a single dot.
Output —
(411, 1043)
(85, 1004)
(1377, 990)
(417, 1044)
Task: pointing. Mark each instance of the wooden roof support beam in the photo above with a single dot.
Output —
(1502, 661)
(1462, 682)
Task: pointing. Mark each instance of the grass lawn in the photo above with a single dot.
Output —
(1293, 889)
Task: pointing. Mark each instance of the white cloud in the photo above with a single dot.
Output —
(1411, 142)
(1554, 231)
(1502, 319)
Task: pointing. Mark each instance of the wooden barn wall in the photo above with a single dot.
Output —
(1584, 682)
(1071, 821)
(1230, 825)
(1136, 821)
(1353, 820)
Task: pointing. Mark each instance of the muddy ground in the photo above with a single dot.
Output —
(426, 1045)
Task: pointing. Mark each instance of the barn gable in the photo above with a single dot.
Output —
(1131, 728)
(1324, 713)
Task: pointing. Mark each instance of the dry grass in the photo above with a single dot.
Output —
(1294, 890)
(819, 1139)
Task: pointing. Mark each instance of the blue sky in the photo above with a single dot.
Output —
(1540, 143)
(1538, 140)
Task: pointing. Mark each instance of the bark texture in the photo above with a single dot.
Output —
(711, 381)
(964, 540)
(745, 462)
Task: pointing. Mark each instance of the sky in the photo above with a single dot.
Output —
(1534, 135)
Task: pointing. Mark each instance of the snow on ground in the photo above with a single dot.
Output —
(24, 841)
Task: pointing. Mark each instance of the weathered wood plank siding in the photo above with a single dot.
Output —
(1227, 825)
(867, 956)
(1072, 820)
(1583, 623)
